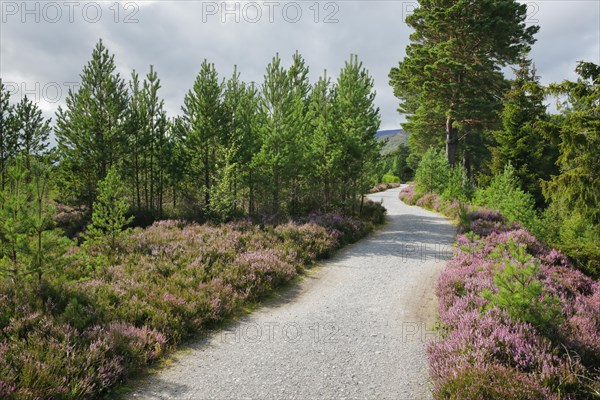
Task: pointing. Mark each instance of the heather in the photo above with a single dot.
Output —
(576, 238)
(380, 187)
(518, 321)
(84, 331)
(431, 201)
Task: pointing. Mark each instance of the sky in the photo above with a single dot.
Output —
(44, 45)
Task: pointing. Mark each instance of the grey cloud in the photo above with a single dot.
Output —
(174, 38)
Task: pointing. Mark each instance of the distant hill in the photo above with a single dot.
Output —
(392, 137)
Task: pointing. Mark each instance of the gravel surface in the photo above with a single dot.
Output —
(355, 328)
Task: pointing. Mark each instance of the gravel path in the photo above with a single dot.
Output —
(355, 328)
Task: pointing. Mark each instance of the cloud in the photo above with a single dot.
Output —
(176, 36)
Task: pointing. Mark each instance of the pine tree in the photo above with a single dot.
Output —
(28, 243)
(158, 126)
(90, 131)
(8, 138)
(505, 195)
(32, 131)
(521, 141)
(135, 128)
(110, 208)
(204, 124)
(147, 127)
(241, 140)
(325, 145)
(15, 224)
(400, 167)
(299, 170)
(577, 186)
(433, 173)
(179, 160)
(249, 122)
(279, 157)
(358, 119)
(451, 73)
(47, 245)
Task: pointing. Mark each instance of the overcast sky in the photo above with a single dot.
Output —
(44, 44)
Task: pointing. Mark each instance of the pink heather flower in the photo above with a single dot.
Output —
(485, 343)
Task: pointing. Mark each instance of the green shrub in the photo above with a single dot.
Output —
(520, 291)
(504, 194)
(28, 243)
(573, 234)
(389, 178)
(109, 215)
(458, 185)
(433, 173)
(464, 217)
(373, 212)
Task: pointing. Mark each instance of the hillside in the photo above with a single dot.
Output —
(392, 138)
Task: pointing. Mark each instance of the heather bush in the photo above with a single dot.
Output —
(381, 187)
(372, 212)
(492, 382)
(408, 195)
(350, 229)
(309, 241)
(80, 333)
(519, 320)
(432, 201)
(428, 200)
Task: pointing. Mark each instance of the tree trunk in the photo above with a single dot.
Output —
(251, 197)
(276, 191)
(451, 141)
(206, 180)
(467, 166)
(174, 197)
(152, 204)
(136, 168)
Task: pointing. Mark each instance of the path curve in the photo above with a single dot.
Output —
(355, 328)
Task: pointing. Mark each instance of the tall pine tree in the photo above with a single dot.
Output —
(147, 127)
(358, 119)
(32, 131)
(578, 185)
(90, 131)
(451, 73)
(204, 124)
(326, 140)
(283, 110)
(521, 141)
(8, 138)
